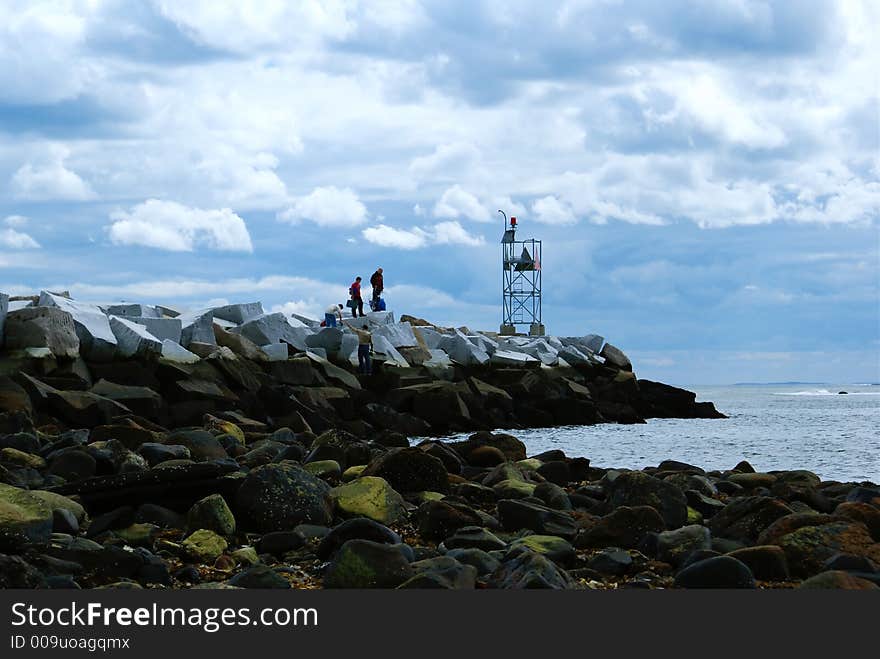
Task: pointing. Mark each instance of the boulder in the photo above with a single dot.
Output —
(591, 343)
(132, 311)
(767, 562)
(438, 520)
(624, 527)
(410, 470)
(133, 339)
(526, 569)
(674, 546)
(383, 350)
(174, 352)
(371, 497)
(25, 519)
(399, 335)
(259, 576)
(280, 496)
(275, 352)
(615, 357)
(211, 513)
(366, 564)
(204, 545)
(474, 537)
(635, 488)
(427, 337)
(441, 572)
(462, 351)
(197, 327)
(553, 547)
(516, 514)
(838, 580)
(810, 547)
(273, 328)
(161, 328)
(716, 572)
(745, 518)
(360, 528)
(574, 356)
(42, 327)
(97, 341)
(509, 358)
(238, 313)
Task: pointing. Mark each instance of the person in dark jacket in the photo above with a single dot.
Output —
(357, 303)
(378, 284)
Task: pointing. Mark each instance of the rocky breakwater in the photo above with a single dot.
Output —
(228, 447)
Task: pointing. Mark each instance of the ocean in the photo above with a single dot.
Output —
(796, 426)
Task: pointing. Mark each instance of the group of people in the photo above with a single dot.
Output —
(333, 316)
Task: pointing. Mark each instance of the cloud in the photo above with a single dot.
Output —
(448, 161)
(16, 221)
(442, 233)
(458, 202)
(549, 210)
(174, 227)
(17, 240)
(48, 179)
(327, 207)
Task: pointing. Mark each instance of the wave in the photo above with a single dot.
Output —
(825, 392)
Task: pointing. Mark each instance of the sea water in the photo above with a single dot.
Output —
(812, 427)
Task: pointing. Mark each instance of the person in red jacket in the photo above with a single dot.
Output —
(378, 284)
(356, 304)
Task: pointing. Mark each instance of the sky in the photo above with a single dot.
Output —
(704, 175)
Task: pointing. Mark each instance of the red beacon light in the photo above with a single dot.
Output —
(513, 221)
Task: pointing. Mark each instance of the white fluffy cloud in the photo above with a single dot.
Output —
(328, 207)
(442, 233)
(17, 240)
(458, 202)
(549, 210)
(172, 226)
(46, 178)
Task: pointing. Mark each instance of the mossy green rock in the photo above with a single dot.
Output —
(324, 469)
(553, 547)
(246, 556)
(514, 489)
(421, 497)
(58, 501)
(529, 464)
(370, 496)
(21, 459)
(138, 535)
(204, 545)
(24, 518)
(694, 516)
(211, 513)
(353, 472)
(367, 564)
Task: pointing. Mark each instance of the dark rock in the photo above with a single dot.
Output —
(851, 563)
(486, 456)
(838, 580)
(73, 465)
(443, 572)
(188, 574)
(474, 537)
(556, 472)
(367, 564)
(481, 560)
(279, 543)
(163, 517)
(476, 493)
(118, 518)
(276, 497)
(523, 568)
(791, 523)
(864, 495)
(634, 488)
(64, 521)
(705, 505)
(745, 518)
(259, 576)
(767, 562)
(201, 444)
(624, 527)
(861, 512)
(553, 547)
(440, 519)
(611, 561)
(674, 546)
(516, 514)
(697, 556)
(553, 496)
(716, 572)
(809, 547)
(22, 441)
(359, 528)
(410, 470)
(155, 453)
(15, 572)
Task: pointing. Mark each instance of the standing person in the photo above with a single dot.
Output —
(357, 303)
(378, 284)
(365, 348)
(331, 314)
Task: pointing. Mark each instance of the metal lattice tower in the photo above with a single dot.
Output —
(521, 281)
